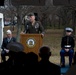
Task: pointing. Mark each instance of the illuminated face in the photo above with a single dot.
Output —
(32, 18)
(68, 33)
(9, 35)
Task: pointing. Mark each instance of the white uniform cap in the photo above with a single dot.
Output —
(69, 29)
(9, 32)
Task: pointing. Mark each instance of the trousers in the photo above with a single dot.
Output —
(70, 54)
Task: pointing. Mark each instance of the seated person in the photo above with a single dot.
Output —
(45, 66)
(67, 45)
(31, 64)
(9, 38)
(16, 61)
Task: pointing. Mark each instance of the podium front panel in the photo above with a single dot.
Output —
(31, 42)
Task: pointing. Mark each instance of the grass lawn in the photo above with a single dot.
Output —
(52, 38)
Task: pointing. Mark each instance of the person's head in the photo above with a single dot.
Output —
(31, 17)
(32, 58)
(15, 48)
(9, 33)
(44, 52)
(68, 31)
(16, 53)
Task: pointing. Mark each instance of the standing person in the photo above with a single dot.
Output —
(33, 26)
(67, 45)
(8, 39)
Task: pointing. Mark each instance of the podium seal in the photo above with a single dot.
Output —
(30, 42)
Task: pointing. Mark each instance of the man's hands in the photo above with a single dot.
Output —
(7, 51)
(66, 50)
(42, 35)
(22, 33)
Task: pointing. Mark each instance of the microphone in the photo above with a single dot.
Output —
(27, 28)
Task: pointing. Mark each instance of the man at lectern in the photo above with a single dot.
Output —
(33, 26)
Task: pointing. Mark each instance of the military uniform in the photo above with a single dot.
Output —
(67, 42)
(33, 29)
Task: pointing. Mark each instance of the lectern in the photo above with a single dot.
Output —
(31, 42)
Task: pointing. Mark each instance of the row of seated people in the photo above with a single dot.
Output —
(65, 40)
(28, 63)
(67, 46)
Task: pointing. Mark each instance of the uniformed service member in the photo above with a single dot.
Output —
(67, 45)
(33, 26)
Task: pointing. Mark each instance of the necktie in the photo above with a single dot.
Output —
(9, 39)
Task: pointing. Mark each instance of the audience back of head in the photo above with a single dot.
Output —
(45, 66)
(44, 52)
